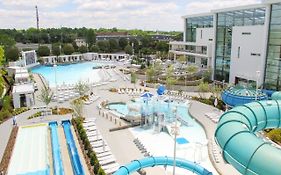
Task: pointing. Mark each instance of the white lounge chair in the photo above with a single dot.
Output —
(95, 138)
(110, 166)
(90, 128)
(111, 170)
(107, 161)
(101, 149)
(104, 154)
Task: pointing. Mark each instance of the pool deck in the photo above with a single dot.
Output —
(197, 110)
(121, 140)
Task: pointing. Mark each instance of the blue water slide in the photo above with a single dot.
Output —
(57, 161)
(157, 161)
(235, 134)
(72, 149)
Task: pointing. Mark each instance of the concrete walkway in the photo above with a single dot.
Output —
(197, 110)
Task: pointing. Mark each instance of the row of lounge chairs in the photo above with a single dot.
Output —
(65, 95)
(100, 146)
(216, 153)
(92, 99)
(130, 91)
(141, 147)
(177, 94)
(213, 116)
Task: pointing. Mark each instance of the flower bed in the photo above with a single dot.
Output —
(18, 111)
(62, 111)
(37, 114)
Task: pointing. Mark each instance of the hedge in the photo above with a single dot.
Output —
(78, 123)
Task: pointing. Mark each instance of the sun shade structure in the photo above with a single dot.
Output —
(241, 147)
(239, 95)
(182, 141)
(161, 90)
(147, 95)
(158, 161)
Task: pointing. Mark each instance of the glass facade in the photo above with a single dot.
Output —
(273, 60)
(197, 22)
(225, 22)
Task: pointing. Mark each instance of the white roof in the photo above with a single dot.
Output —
(23, 88)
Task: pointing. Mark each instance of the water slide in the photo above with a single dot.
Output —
(241, 147)
(157, 161)
(72, 150)
(57, 161)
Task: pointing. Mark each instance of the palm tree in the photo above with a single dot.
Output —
(46, 96)
(82, 88)
(77, 106)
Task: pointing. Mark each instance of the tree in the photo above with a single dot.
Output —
(146, 41)
(192, 69)
(103, 46)
(182, 60)
(150, 72)
(75, 46)
(123, 42)
(83, 49)
(68, 49)
(82, 87)
(128, 49)
(1, 55)
(113, 45)
(6, 41)
(43, 51)
(46, 95)
(12, 53)
(207, 75)
(95, 49)
(56, 49)
(203, 88)
(91, 37)
(162, 46)
(134, 78)
(170, 80)
(77, 106)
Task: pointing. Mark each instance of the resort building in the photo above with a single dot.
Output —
(80, 42)
(240, 44)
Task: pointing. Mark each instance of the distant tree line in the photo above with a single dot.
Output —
(63, 41)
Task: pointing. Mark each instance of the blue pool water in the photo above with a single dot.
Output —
(69, 74)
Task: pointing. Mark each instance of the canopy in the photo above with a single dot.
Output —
(161, 90)
(147, 95)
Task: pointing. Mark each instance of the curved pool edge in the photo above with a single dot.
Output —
(209, 134)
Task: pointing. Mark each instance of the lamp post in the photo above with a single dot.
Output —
(175, 131)
(257, 83)
(56, 91)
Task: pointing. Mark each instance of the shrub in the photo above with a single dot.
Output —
(96, 167)
(101, 172)
(4, 114)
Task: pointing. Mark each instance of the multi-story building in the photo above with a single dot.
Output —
(240, 44)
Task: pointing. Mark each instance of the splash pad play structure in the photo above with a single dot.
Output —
(158, 161)
(241, 147)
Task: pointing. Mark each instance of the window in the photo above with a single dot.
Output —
(201, 34)
(238, 55)
(255, 54)
(246, 33)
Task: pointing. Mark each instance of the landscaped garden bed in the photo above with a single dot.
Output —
(8, 151)
(89, 154)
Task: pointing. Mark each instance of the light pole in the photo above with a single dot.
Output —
(56, 91)
(257, 83)
(175, 131)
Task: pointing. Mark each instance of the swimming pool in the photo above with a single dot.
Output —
(69, 73)
(160, 106)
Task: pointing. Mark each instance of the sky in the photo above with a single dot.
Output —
(161, 15)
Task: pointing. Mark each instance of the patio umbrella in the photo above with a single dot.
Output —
(161, 90)
(147, 95)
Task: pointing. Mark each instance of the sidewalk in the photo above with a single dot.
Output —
(197, 110)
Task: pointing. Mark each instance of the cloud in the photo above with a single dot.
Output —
(32, 3)
(207, 6)
(128, 14)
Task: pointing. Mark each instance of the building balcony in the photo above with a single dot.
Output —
(191, 49)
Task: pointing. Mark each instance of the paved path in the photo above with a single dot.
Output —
(198, 110)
